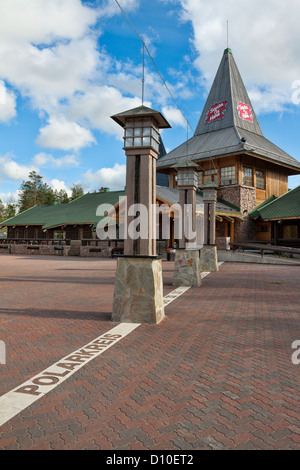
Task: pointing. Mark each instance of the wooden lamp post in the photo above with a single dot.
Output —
(209, 256)
(138, 296)
(187, 262)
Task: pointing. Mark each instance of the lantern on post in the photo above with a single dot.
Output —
(187, 262)
(209, 257)
(187, 182)
(138, 296)
(141, 144)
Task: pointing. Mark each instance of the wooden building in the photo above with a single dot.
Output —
(277, 220)
(77, 221)
(230, 149)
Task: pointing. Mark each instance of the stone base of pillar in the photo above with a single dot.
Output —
(187, 270)
(209, 258)
(138, 295)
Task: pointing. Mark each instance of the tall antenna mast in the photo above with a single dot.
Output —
(143, 79)
(227, 34)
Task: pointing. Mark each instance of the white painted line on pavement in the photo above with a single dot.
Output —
(24, 395)
(18, 399)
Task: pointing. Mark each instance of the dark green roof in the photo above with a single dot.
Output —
(255, 213)
(80, 211)
(83, 210)
(285, 206)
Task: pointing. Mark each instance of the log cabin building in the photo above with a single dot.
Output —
(230, 150)
(61, 224)
(277, 219)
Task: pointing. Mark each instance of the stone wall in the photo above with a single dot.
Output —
(39, 250)
(96, 252)
(222, 242)
(100, 249)
(245, 231)
(241, 196)
(245, 198)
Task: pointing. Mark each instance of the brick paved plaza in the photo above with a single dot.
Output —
(215, 374)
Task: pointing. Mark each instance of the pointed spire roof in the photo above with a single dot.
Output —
(228, 103)
(228, 124)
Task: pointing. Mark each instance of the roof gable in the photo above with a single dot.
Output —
(228, 103)
(228, 124)
(285, 206)
(82, 210)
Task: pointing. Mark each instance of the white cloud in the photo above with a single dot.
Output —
(174, 116)
(51, 49)
(10, 197)
(7, 103)
(12, 170)
(97, 105)
(58, 185)
(64, 135)
(40, 20)
(53, 73)
(113, 178)
(265, 42)
(53, 52)
(45, 159)
(110, 8)
(53, 58)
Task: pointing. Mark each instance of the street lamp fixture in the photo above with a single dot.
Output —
(138, 295)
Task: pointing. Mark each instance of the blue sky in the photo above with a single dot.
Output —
(66, 66)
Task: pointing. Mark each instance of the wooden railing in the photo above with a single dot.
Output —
(34, 241)
(93, 245)
(264, 247)
(98, 242)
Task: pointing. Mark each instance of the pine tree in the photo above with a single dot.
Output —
(2, 211)
(61, 196)
(77, 191)
(34, 192)
(10, 210)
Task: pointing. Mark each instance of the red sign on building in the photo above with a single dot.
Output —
(245, 111)
(216, 112)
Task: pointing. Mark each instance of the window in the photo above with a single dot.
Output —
(80, 233)
(141, 133)
(187, 177)
(211, 176)
(59, 235)
(260, 179)
(290, 231)
(247, 176)
(228, 175)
